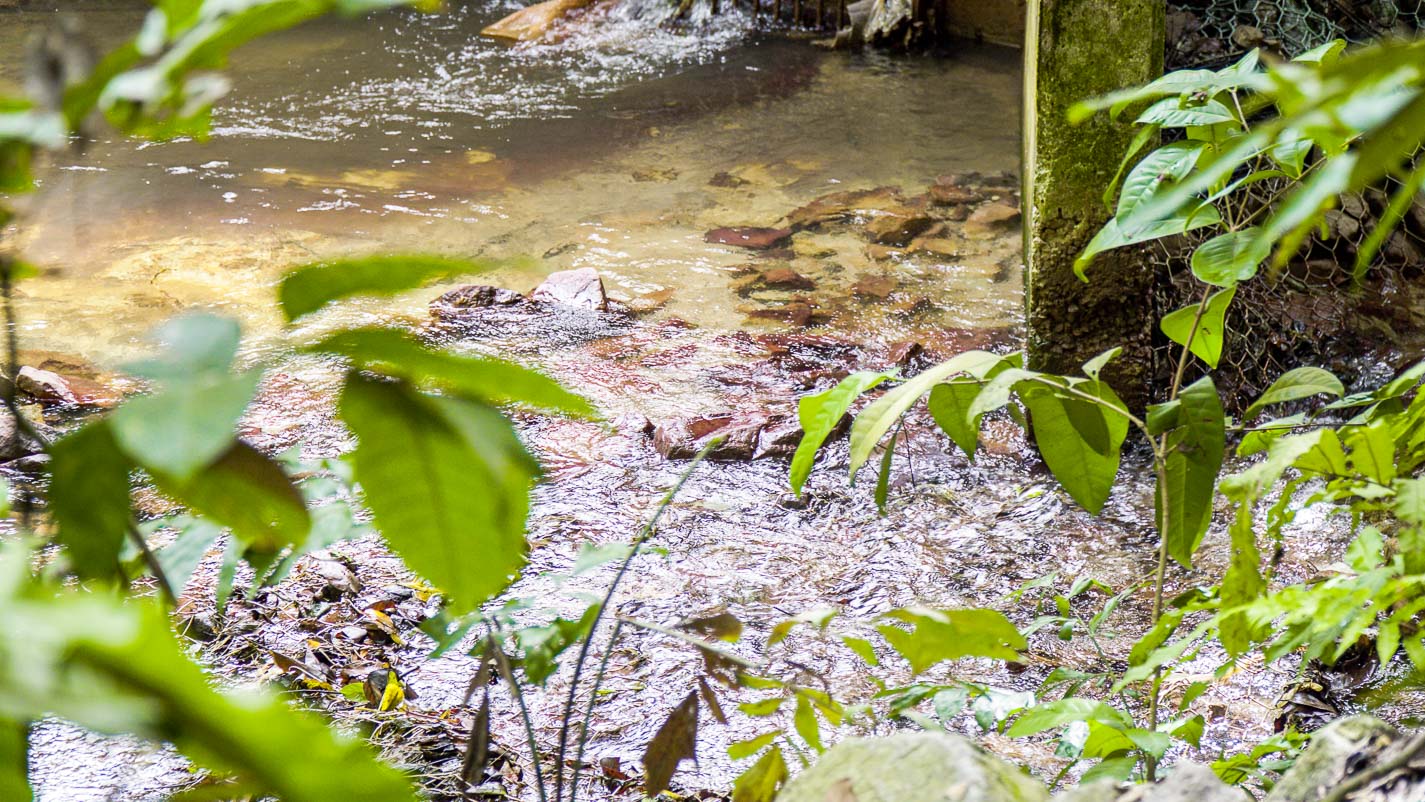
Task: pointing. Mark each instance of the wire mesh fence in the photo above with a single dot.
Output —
(1311, 312)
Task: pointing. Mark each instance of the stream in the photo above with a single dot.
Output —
(617, 148)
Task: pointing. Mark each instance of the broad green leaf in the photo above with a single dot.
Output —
(1268, 432)
(762, 708)
(15, 761)
(186, 425)
(1296, 384)
(89, 498)
(249, 493)
(1367, 551)
(819, 415)
(1080, 440)
(309, 288)
(191, 346)
(949, 405)
(1143, 228)
(1094, 366)
(1118, 769)
(1049, 715)
(1229, 258)
(113, 666)
(400, 355)
(542, 645)
(878, 418)
(1242, 583)
(1175, 113)
(1141, 139)
(181, 558)
(1165, 165)
(938, 635)
(1194, 458)
(804, 719)
(761, 782)
(751, 746)
(1207, 332)
(447, 482)
(863, 649)
(1372, 452)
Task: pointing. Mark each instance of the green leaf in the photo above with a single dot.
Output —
(309, 288)
(804, 719)
(938, 635)
(191, 346)
(181, 558)
(949, 405)
(819, 415)
(1372, 452)
(878, 418)
(1094, 366)
(883, 479)
(542, 645)
(763, 707)
(1294, 385)
(89, 498)
(1141, 139)
(1119, 769)
(1174, 113)
(1195, 450)
(1205, 333)
(761, 782)
(863, 649)
(751, 746)
(181, 429)
(113, 666)
(1056, 714)
(494, 381)
(1166, 165)
(1229, 258)
(249, 493)
(447, 482)
(1080, 440)
(1117, 233)
(15, 761)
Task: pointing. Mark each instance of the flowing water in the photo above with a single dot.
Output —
(615, 148)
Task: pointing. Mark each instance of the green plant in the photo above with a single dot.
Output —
(1312, 128)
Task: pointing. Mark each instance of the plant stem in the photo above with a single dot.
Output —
(643, 536)
(502, 665)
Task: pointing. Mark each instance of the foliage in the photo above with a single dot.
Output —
(1312, 128)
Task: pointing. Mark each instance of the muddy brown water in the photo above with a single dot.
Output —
(615, 149)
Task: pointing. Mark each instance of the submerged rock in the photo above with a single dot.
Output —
(752, 237)
(840, 207)
(581, 289)
(475, 296)
(912, 767)
(899, 227)
(745, 436)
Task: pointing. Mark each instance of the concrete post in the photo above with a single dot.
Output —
(1076, 49)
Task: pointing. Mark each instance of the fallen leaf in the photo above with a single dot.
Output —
(675, 741)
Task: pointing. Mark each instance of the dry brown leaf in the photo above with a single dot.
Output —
(710, 699)
(676, 740)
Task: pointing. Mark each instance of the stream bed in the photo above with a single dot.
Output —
(619, 148)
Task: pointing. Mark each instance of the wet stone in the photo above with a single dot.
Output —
(898, 229)
(878, 287)
(991, 216)
(952, 195)
(726, 180)
(475, 296)
(840, 207)
(45, 386)
(751, 237)
(581, 289)
(785, 278)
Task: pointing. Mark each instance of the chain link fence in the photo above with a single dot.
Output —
(1311, 312)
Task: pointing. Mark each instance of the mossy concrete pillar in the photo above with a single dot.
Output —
(1077, 49)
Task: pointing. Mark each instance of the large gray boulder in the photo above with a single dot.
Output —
(912, 767)
(1345, 746)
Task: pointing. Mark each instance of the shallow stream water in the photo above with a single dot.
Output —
(616, 148)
